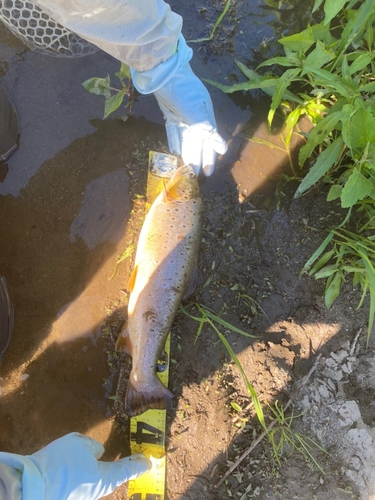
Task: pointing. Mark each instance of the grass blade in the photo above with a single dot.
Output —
(317, 253)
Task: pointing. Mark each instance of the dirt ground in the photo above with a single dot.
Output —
(78, 207)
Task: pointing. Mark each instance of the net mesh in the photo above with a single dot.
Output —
(40, 32)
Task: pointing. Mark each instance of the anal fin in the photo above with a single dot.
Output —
(123, 343)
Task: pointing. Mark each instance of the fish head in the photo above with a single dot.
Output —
(183, 184)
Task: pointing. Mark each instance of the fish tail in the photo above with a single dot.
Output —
(142, 397)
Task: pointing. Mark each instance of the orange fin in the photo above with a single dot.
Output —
(139, 399)
(123, 343)
(131, 282)
(169, 191)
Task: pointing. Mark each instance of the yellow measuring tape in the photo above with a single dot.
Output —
(147, 431)
(147, 436)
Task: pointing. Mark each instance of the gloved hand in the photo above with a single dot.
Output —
(190, 120)
(187, 109)
(68, 469)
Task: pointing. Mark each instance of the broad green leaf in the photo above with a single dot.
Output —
(318, 134)
(348, 110)
(322, 32)
(300, 41)
(267, 84)
(324, 162)
(249, 73)
(330, 80)
(322, 262)
(326, 271)
(283, 83)
(345, 68)
(361, 62)
(356, 188)
(282, 61)
(357, 23)
(317, 4)
(351, 269)
(319, 56)
(98, 86)
(362, 130)
(124, 72)
(369, 34)
(368, 87)
(372, 193)
(334, 192)
(332, 8)
(291, 122)
(332, 290)
(303, 41)
(113, 103)
(237, 87)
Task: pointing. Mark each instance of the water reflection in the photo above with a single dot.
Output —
(103, 210)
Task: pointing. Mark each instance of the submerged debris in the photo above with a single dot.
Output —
(6, 316)
(8, 127)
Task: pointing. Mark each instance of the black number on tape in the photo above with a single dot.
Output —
(151, 436)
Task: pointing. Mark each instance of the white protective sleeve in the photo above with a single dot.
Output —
(140, 33)
(10, 483)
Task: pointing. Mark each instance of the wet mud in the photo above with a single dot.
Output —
(72, 201)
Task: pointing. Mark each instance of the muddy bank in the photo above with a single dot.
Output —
(71, 199)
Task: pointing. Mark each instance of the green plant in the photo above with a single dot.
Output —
(217, 23)
(328, 75)
(351, 253)
(282, 436)
(113, 97)
(120, 258)
(279, 432)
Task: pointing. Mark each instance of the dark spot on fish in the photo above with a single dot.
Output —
(149, 315)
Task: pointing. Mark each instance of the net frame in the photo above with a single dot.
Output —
(40, 32)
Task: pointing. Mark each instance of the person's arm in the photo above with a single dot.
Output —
(141, 33)
(146, 35)
(66, 469)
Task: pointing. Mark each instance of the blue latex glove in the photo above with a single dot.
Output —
(187, 109)
(68, 469)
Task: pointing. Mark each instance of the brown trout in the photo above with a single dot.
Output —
(167, 254)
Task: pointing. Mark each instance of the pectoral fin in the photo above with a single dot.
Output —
(123, 343)
(169, 193)
(131, 282)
